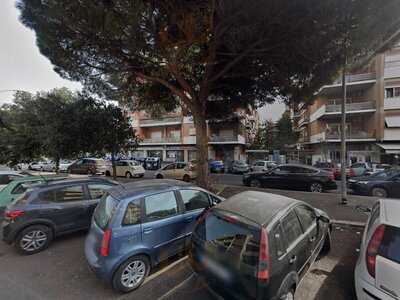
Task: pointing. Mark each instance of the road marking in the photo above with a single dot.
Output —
(176, 287)
(162, 271)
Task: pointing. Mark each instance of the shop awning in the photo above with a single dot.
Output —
(392, 122)
(390, 148)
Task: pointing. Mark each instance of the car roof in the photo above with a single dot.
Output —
(42, 177)
(390, 212)
(143, 188)
(72, 181)
(256, 206)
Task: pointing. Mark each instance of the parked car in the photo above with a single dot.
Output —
(90, 166)
(7, 176)
(377, 272)
(383, 184)
(64, 165)
(216, 166)
(141, 224)
(180, 171)
(17, 187)
(126, 168)
(43, 166)
(263, 165)
(239, 167)
(297, 177)
(258, 246)
(376, 168)
(361, 168)
(152, 163)
(52, 209)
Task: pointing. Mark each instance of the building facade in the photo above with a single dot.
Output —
(173, 137)
(372, 114)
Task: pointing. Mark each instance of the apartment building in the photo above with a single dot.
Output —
(173, 137)
(372, 114)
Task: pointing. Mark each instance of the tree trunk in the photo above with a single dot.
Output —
(114, 168)
(202, 148)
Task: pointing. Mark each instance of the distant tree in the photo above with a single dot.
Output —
(264, 139)
(209, 56)
(284, 133)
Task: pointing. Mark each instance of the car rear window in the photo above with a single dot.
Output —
(390, 246)
(234, 241)
(105, 211)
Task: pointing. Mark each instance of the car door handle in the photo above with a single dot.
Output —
(312, 239)
(148, 230)
(189, 219)
(293, 260)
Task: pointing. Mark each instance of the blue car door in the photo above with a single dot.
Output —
(194, 202)
(162, 230)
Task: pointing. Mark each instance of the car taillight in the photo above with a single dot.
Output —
(373, 248)
(105, 243)
(264, 259)
(13, 214)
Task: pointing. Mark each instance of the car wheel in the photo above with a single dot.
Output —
(33, 239)
(90, 172)
(316, 187)
(128, 175)
(186, 178)
(131, 274)
(255, 183)
(141, 175)
(379, 192)
(108, 174)
(159, 176)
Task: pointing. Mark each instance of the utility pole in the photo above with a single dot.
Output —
(343, 136)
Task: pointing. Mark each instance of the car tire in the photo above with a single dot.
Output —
(141, 175)
(33, 239)
(379, 192)
(159, 176)
(186, 178)
(255, 183)
(135, 267)
(108, 174)
(316, 187)
(90, 172)
(128, 175)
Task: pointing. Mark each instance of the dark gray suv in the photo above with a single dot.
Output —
(258, 246)
(51, 209)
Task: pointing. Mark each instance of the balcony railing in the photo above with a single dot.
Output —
(226, 138)
(157, 122)
(356, 78)
(392, 103)
(352, 135)
(356, 106)
(162, 140)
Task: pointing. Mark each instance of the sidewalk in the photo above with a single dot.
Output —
(328, 202)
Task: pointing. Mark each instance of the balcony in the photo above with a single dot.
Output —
(350, 136)
(161, 141)
(392, 103)
(336, 109)
(160, 122)
(356, 82)
(227, 139)
(356, 78)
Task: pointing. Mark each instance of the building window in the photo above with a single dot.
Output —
(192, 155)
(392, 92)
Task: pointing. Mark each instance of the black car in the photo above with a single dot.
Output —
(297, 177)
(383, 184)
(50, 210)
(258, 246)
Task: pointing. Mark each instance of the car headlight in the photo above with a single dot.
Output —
(363, 182)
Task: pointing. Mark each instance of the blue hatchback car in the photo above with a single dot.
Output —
(138, 225)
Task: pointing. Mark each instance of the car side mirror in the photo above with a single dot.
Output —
(363, 209)
(323, 219)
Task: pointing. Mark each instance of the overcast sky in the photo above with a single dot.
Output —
(22, 67)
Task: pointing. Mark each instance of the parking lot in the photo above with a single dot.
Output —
(61, 272)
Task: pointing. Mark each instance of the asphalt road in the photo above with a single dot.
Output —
(61, 272)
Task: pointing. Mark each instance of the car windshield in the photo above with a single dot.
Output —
(386, 174)
(105, 211)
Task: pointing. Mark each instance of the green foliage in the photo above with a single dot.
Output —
(271, 136)
(59, 124)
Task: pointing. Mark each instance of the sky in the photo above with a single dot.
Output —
(22, 67)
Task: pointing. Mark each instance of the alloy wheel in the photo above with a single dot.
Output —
(33, 240)
(316, 187)
(255, 183)
(133, 274)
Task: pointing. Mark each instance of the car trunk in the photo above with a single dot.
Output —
(388, 262)
(225, 251)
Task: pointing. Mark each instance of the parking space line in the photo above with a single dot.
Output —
(176, 287)
(162, 271)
